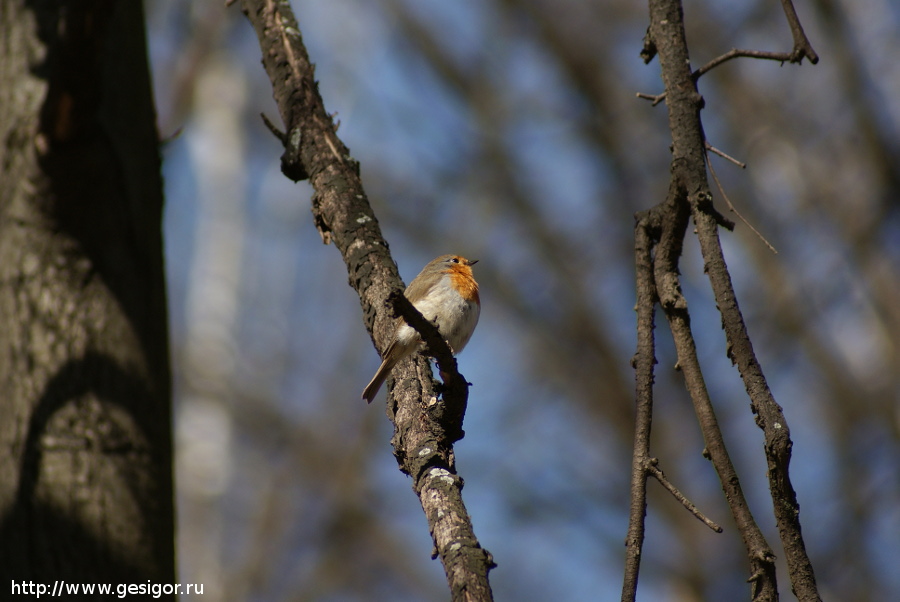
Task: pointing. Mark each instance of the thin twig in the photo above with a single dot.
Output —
(282, 137)
(712, 172)
(727, 157)
(781, 57)
(656, 98)
(653, 468)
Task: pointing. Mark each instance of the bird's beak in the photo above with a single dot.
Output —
(471, 262)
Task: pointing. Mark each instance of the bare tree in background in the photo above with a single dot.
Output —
(86, 490)
(659, 242)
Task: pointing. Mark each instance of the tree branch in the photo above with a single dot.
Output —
(725, 156)
(646, 232)
(668, 253)
(342, 214)
(769, 415)
(782, 57)
(653, 469)
(690, 187)
(759, 552)
(802, 47)
(712, 172)
(649, 229)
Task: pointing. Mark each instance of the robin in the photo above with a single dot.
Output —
(445, 293)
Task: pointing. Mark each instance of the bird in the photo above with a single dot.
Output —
(445, 292)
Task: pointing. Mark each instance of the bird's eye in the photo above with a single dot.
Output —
(454, 259)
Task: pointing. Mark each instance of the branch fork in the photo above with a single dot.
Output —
(659, 236)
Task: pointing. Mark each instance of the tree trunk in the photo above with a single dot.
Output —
(86, 463)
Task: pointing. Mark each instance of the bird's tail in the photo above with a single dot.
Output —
(381, 375)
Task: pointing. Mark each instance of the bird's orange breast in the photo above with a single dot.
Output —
(464, 283)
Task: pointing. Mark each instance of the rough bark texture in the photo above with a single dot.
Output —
(423, 438)
(645, 233)
(690, 196)
(86, 468)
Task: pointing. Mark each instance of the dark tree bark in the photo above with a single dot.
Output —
(86, 470)
(663, 229)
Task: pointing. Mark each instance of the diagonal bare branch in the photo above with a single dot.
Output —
(422, 442)
(691, 187)
(657, 473)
